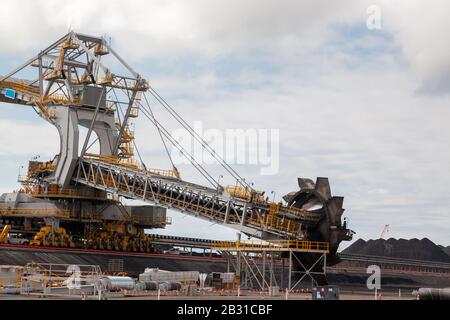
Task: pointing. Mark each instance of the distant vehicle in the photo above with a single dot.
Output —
(172, 251)
(17, 239)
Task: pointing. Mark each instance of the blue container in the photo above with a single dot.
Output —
(10, 93)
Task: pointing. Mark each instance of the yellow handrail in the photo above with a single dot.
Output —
(130, 163)
(34, 212)
(272, 245)
(242, 193)
(20, 86)
(89, 194)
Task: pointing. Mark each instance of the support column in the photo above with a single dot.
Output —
(290, 270)
(238, 255)
(227, 212)
(264, 270)
(244, 215)
(272, 271)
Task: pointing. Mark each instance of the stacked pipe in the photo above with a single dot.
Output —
(434, 293)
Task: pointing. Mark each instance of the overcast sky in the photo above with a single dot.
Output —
(367, 108)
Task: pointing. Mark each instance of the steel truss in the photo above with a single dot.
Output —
(75, 61)
(251, 218)
(257, 270)
(305, 271)
(72, 84)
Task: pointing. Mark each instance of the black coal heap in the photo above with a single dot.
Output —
(415, 249)
(445, 249)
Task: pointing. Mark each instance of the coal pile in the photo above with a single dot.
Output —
(415, 249)
(445, 249)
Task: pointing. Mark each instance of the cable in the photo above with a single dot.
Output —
(134, 142)
(87, 149)
(148, 113)
(194, 134)
(182, 150)
(159, 131)
(139, 155)
(196, 165)
(204, 144)
(169, 137)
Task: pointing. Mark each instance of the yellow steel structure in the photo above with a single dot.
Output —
(72, 73)
(275, 208)
(35, 98)
(4, 234)
(57, 71)
(127, 163)
(100, 50)
(11, 279)
(49, 237)
(242, 193)
(35, 212)
(130, 163)
(163, 172)
(244, 252)
(20, 86)
(263, 221)
(272, 245)
(108, 79)
(151, 221)
(37, 192)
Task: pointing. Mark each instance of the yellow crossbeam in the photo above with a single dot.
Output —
(273, 245)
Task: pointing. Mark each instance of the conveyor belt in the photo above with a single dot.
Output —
(254, 218)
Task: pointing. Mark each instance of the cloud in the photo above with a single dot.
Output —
(22, 138)
(420, 28)
(378, 142)
(206, 30)
(344, 98)
(197, 26)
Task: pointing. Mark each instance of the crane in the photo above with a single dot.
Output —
(384, 231)
(74, 84)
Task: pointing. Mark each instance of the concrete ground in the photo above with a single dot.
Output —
(253, 296)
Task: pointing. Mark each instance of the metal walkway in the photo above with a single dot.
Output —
(273, 245)
(253, 261)
(258, 219)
